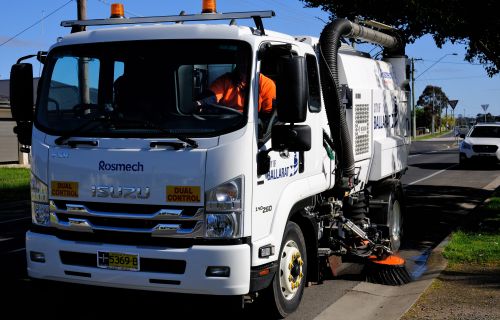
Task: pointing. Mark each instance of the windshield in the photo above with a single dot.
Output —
(140, 88)
(486, 132)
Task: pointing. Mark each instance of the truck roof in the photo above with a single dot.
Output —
(171, 31)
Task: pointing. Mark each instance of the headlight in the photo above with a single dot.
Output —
(224, 210)
(40, 212)
(465, 145)
(221, 225)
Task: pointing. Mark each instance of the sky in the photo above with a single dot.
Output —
(460, 80)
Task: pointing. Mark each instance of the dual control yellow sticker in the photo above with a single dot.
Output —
(183, 194)
(67, 189)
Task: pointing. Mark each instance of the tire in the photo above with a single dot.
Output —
(391, 214)
(287, 287)
(395, 216)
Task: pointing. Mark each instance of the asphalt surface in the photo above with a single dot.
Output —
(439, 195)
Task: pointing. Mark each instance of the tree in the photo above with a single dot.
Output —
(473, 23)
(433, 100)
(423, 116)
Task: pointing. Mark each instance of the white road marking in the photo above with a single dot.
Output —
(429, 152)
(432, 175)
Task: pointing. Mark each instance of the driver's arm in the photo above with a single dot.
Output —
(220, 86)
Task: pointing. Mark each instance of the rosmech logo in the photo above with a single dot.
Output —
(125, 167)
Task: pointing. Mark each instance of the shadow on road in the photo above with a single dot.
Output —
(434, 211)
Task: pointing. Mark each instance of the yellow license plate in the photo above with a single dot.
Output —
(117, 260)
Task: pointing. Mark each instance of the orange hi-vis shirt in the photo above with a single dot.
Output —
(230, 95)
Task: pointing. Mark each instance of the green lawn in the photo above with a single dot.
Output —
(473, 247)
(14, 184)
(479, 239)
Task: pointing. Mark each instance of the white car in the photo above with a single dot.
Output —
(481, 143)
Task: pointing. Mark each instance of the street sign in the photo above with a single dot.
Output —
(485, 107)
(453, 103)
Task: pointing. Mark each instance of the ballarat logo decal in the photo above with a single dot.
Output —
(278, 172)
(183, 194)
(66, 189)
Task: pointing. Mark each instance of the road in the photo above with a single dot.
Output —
(439, 195)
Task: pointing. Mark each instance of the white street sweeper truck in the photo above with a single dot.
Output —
(134, 186)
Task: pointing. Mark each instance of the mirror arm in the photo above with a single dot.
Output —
(26, 57)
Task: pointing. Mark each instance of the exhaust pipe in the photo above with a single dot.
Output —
(329, 43)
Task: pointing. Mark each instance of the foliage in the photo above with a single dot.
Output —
(432, 100)
(474, 24)
(14, 184)
(448, 122)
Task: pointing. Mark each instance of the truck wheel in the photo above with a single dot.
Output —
(290, 278)
(395, 216)
(391, 214)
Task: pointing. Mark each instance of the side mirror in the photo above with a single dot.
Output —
(292, 90)
(21, 101)
(291, 137)
(21, 92)
(462, 136)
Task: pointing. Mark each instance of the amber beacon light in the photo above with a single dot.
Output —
(209, 6)
(117, 10)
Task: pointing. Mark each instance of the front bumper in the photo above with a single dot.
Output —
(192, 280)
(468, 154)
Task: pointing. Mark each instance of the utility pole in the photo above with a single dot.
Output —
(83, 66)
(433, 117)
(81, 13)
(413, 86)
(414, 113)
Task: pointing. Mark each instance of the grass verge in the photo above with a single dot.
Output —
(479, 240)
(430, 136)
(14, 184)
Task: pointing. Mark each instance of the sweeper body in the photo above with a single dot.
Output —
(134, 186)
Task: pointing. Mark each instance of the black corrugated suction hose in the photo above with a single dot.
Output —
(329, 43)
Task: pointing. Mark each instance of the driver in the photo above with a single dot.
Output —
(229, 90)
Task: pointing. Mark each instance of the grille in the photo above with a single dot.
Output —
(146, 264)
(361, 129)
(152, 221)
(485, 148)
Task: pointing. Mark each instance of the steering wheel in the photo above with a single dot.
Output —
(224, 108)
(87, 110)
(56, 103)
(221, 111)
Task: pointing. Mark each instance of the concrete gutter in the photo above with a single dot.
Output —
(370, 301)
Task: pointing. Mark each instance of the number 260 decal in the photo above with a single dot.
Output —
(264, 209)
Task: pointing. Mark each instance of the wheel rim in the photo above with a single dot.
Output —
(291, 272)
(396, 222)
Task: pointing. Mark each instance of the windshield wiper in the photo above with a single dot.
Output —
(86, 126)
(192, 143)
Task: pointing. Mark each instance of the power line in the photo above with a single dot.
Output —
(34, 24)
(467, 63)
(458, 78)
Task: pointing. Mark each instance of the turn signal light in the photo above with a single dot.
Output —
(209, 6)
(117, 10)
